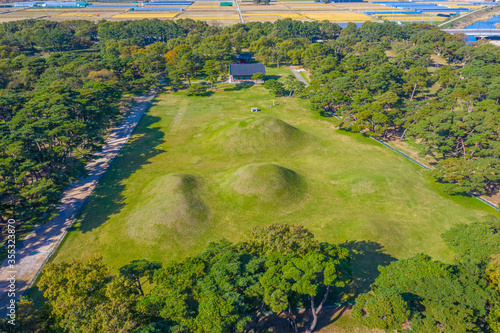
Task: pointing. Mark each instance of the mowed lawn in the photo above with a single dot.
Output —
(201, 168)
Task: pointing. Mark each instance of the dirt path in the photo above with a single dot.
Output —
(176, 122)
(32, 254)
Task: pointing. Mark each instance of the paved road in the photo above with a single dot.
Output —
(39, 245)
(475, 32)
(239, 11)
(462, 16)
(297, 75)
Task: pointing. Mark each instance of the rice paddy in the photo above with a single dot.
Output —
(339, 16)
(277, 16)
(208, 18)
(271, 9)
(28, 14)
(146, 15)
(315, 8)
(76, 15)
(211, 12)
(414, 18)
(211, 7)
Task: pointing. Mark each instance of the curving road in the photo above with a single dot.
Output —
(37, 248)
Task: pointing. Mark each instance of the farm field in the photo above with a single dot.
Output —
(410, 18)
(270, 13)
(338, 16)
(145, 15)
(201, 168)
(213, 13)
(16, 15)
(228, 13)
(88, 15)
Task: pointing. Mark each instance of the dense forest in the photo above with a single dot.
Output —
(61, 85)
(280, 269)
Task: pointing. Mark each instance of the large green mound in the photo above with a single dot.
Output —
(173, 206)
(257, 134)
(268, 183)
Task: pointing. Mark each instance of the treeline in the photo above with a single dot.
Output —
(55, 110)
(44, 137)
(426, 295)
(388, 81)
(50, 36)
(231, 288)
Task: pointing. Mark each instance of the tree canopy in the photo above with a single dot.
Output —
(431, 296)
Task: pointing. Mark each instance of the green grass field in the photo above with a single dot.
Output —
(201, 168)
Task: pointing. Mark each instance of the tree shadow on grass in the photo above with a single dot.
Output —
(36, 295)
(240, 86)
(273, 77)
(324, 113)
(207, 93)
(366, 256)
(330, 315)
(279, 323)
(107, 198)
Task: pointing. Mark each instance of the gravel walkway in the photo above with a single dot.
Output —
(37, 247)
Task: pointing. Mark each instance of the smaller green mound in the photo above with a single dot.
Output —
(173, 210)
(268, 183)
(257, 134)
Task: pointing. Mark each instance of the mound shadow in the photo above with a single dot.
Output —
(107, 198)
(173, 208)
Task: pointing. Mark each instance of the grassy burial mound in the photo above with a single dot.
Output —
(201, 168)
(267, 183)
(254, 135)
(173, 209)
